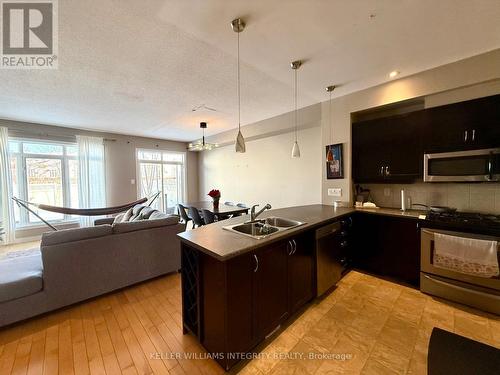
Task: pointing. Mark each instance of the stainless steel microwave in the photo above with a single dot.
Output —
(463, 166)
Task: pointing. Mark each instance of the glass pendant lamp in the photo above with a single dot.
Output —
(329, 154)
(295, 149)
(238, 26)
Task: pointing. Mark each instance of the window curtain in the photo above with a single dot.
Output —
(7, 220)
(91, 183)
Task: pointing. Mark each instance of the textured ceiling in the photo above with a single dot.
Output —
(140, 67)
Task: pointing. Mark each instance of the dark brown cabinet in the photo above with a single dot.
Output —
(300, 271)
(387, 246)
(473, 124)
(391, 149)
(388, 149)
(239, 285)
(233, 305)
(271, 284)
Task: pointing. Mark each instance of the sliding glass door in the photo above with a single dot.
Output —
(43, 172)
(164, 172)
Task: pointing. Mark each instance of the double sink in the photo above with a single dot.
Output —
(263, 228)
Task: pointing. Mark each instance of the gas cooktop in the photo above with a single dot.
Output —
(469, 221)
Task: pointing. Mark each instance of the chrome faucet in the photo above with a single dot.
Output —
(253, 214)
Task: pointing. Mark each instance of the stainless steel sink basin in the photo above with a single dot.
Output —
(255, 229)
(264, 227)
(282, 222)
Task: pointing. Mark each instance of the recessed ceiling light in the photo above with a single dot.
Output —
(393, 74)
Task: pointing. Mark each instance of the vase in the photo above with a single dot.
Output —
(216, 203)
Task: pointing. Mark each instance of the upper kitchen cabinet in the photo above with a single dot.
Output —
(473, 124)
(388, 149)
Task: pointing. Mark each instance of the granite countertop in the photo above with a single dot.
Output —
(222, 244)
(393, 212)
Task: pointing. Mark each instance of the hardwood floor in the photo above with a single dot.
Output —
(373, 327)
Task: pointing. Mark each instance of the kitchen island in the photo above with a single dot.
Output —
(238, 291)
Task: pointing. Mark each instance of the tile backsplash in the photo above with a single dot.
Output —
(478, 197)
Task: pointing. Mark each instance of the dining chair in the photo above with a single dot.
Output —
(240, 205)
(208, 216)
(195, 216)
(183, 214)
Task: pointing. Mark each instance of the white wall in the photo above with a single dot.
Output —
(266, 173)
(465, 79)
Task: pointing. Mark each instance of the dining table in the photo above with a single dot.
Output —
(224, 210)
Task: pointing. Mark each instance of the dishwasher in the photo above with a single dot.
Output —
(330, 256)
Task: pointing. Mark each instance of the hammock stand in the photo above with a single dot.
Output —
(80, 211)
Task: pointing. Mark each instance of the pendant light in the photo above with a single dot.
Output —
(201, 145)
(329, 154)
(238, 26)
(295, 149)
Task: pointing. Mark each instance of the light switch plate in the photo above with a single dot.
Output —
(335, 192)
(132, 182)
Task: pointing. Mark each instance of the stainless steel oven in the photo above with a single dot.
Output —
(480, 292)
(473, 165)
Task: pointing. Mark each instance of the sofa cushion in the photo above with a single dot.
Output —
(20, 276)
(144, 224)
(146, 212)
(136, 211)
(158, 215)
(77, 234)
(121, 218)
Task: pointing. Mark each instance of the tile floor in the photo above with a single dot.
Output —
(383, 326)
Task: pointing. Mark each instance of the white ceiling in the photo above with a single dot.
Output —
(139, 67)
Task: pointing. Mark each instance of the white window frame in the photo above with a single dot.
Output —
(183, 164)
(22, 178)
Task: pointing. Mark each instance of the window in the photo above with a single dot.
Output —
(44, 172)
(164, 172)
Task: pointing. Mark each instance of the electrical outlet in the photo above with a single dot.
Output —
(132, 181)
(387, 192)
(335, 192)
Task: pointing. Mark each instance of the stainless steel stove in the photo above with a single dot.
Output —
(469, 222)
(472, 290)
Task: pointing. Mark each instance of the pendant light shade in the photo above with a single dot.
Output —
(295, 149)
(238, 26)
(240, 142)
(329, 154)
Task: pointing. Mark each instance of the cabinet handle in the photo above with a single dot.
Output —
(387, 171)
(490, 167)
(289, 249)
(466, 135)
(473, 135)
(256, 263)
(294, 247)
(382, 170)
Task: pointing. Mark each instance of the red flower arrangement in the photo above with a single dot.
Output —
(214, 193)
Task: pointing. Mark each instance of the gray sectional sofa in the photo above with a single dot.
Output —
(76, 264)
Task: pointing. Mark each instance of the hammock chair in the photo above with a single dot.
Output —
(80, 211)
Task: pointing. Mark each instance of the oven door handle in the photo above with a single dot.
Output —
(456, 287)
